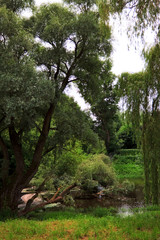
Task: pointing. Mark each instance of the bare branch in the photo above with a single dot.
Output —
(66, 79)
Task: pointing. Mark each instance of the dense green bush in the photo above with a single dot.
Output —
(95, 171)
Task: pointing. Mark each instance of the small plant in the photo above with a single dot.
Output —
(68, 200)
(128, 186)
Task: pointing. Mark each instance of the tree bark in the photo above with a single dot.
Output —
(37, 156)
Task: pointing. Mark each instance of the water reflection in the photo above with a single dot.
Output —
(105, 202)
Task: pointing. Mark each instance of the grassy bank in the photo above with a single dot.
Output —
(128, 164)
(96, 224)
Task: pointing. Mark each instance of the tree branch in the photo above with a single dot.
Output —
(54, 199)
(37, 156)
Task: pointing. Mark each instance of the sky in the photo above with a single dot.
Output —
(126, 55)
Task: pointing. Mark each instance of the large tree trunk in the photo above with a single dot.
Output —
(10, 197)
(13, 185)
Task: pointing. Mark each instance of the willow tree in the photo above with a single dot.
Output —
(33, 76)
(143, 13)
(141, 92)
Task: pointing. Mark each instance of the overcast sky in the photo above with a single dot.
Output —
(126, 56)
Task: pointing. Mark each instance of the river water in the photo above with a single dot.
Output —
(135, 200)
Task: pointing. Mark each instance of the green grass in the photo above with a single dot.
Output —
(128, 171)
(128, 164)
(91, 224)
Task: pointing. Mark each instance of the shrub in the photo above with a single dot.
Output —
(128, 186)
(96, 171)
(68, 200)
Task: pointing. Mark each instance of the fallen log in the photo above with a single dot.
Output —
(54, 199)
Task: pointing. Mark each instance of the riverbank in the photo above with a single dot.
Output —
(98, 223)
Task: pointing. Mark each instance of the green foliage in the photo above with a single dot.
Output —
(61, 167)
(58, 27)
(128, 186)
(24, 92)
(128, 164)
(96, 171)
(105, 109)
(67, 143)
(129, 171)
(54, 23)
(67, 129)
(126, 136)
(131, 152)
(69, 160)
(82, 4)
(68, 200)
(17, 5)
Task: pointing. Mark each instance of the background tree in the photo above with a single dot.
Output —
(104, 108)
(71, 53)
(125, 133)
